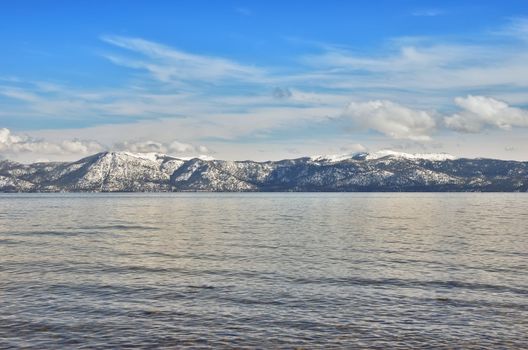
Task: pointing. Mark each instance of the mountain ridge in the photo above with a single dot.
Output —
(359, 172)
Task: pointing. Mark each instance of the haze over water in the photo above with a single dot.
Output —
(264, 270)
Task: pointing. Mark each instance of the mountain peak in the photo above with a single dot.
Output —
(335, 158)
(331, 158)
(425, 156)
(152, 156)
(378, 171)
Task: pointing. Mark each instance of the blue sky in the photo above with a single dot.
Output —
(263, 79)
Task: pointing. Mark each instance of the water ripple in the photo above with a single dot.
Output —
(315, 271)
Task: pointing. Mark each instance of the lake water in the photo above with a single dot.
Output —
(264, 270)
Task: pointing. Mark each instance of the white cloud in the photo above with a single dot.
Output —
(353, 148)
(173, 148)
(517, 28)
(18, 94)
(435, 64)
(392, 119)
(11, 144)
(27, 148)
(480, 112)
(141, 147)
(171, 65)
(198, 96)
(399, 122)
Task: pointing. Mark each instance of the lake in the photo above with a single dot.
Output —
(264, 270)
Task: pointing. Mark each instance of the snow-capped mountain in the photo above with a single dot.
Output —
(334, 158)
(424, 156)
(380, 171)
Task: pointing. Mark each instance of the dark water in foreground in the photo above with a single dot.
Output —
(264, 270)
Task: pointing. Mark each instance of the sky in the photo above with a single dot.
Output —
(263, 80)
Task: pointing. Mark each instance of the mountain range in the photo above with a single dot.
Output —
(362, 172)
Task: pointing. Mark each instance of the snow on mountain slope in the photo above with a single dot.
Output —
(379, 171)
(201, 175)
(331, 158)
(425, 156)
(124, 171)
(14, 184)
(335, 158)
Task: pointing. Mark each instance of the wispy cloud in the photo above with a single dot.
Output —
(517, 28)
(18, 94)
(168, 64)
(404, 90)
(432, 66)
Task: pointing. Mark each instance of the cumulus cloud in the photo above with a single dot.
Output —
(27, 148)
(352, 148)
(476, 114)
(12, 144)
(480, 112)
(392, 119)
(174, 147)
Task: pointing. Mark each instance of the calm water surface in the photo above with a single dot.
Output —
(264, 271)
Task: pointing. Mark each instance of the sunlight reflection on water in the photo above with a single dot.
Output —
(264, 270)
